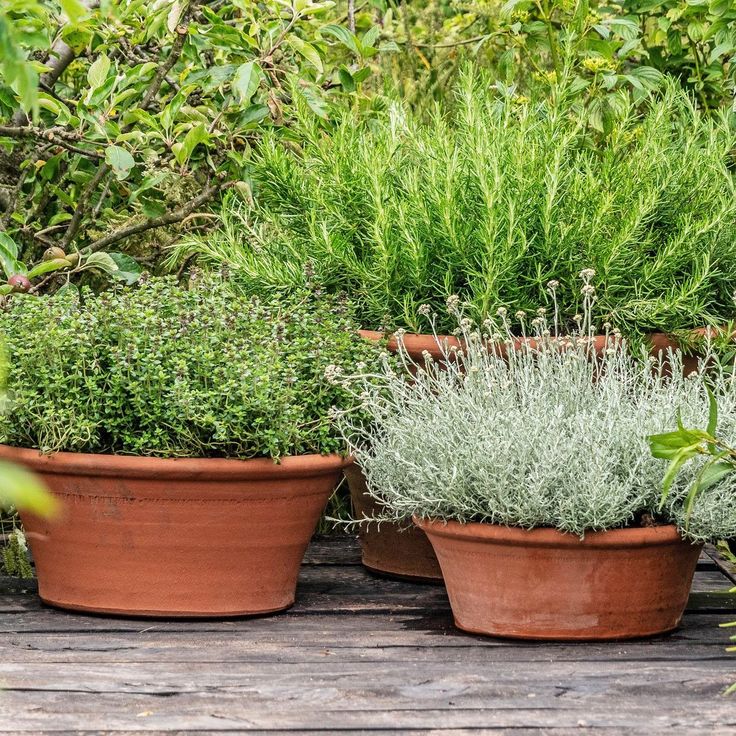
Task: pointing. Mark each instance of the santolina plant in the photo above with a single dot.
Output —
(548, 434)
(172, 371)
(490, 199)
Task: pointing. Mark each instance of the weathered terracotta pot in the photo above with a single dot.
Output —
(175, 537)
(404, 553)
(417, 345)
(544, 584)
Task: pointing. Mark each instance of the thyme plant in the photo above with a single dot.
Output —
(489, 200)
(544, 435)
(169, 371)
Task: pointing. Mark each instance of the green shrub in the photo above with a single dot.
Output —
(123, 118)
(490, 202)
(542, 438)
(168, 371)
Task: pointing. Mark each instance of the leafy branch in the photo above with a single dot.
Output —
(683, 445)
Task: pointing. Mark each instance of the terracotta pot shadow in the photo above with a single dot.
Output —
(175, 538)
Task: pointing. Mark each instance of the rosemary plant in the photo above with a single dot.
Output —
(544, 435)
(489, 200)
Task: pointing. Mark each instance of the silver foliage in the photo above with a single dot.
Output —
(543, 437)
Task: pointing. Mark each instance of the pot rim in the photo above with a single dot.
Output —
(188, 468)
(424, 340)
(666, 534)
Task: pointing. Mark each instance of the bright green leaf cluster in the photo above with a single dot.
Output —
(167, 371)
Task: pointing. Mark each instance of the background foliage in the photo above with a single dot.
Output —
(146, 111)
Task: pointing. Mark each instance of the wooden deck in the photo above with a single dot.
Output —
(357, 654)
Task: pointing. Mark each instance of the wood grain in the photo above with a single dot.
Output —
(357, 654)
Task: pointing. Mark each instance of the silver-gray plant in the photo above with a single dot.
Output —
(538, 436)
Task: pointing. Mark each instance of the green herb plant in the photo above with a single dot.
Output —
(19, 489)
(170, 371)
(489, 200)
(534, 433)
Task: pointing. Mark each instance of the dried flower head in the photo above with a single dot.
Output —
(587, 274)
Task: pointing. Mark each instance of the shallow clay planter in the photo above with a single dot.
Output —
(387, 549)
(164, 537)
(544, 584)
(416, 345)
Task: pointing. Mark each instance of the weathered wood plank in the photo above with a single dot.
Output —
(315, 648)
(321, 589)
(373, 698)
(357, 654)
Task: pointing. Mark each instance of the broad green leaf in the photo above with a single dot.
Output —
(97, 74)
(308, 51)
(246, 81)
(370, 37)
(673, 469)
(650, 76)
(120, 160)
(196, 135)
(712, 413)
(254, 114)
(47, 267)
(710, 474)
(315, 101)
(23, 490)
(343, 35)
(720, 7)
(9, 255)
(346, 79)
(10, 246)
(102, 261)
(172, 20)
(129, 270)
(73, 9)
(727, 47)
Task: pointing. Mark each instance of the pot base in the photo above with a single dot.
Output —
(165, 614)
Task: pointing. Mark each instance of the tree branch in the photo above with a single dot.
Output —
(170, 218)
(84, 197)
(176, 48)
(60, 136)
(351, 16)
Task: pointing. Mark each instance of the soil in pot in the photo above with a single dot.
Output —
(175, 538)
(388, 549)
(544, 584)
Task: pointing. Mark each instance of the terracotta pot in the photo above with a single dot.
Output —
(544, 584)
(416, 345)
(661, 343)
(175, 537)
(388, 549)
